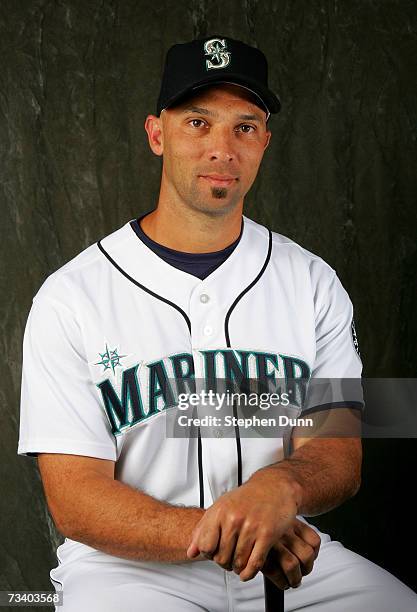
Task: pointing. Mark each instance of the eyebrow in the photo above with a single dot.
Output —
(250, 117)
(205, 111)
(198, 109)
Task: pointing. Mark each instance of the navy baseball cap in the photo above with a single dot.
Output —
(215, 59)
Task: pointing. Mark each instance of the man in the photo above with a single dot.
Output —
(194, 291)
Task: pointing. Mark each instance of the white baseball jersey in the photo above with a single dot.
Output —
(109, 331)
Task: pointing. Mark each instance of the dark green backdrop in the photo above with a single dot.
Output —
(78, 78)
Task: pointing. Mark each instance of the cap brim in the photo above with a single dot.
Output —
(270, 100)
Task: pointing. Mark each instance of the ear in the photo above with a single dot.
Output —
(153, 127)
(268, 135)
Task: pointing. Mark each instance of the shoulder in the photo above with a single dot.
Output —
(80, 271)
(286, 253)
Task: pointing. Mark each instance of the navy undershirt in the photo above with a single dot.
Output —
(198, 264)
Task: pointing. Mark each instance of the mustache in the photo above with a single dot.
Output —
(220, 171)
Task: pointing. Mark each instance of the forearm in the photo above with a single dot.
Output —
(321, 474)
(125, 522)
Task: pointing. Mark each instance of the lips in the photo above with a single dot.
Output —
(219, 179)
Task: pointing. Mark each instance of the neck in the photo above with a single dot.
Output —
(192, 231)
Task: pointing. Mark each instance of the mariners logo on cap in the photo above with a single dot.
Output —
(216, 48)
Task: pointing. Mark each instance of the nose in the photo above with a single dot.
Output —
(221, 145)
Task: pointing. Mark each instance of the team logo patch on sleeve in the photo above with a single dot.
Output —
(355, 337)
(110, 359)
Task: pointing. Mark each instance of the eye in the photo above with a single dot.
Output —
(244, 127)
(194, 121)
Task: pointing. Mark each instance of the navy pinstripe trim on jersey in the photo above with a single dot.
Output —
(200, 468)
(288, 443)
(329, 405)
(187, 320)
(135, 282)
(287, 438)
(53, 580)
(226, 333)
(238, 448)
(248, 288)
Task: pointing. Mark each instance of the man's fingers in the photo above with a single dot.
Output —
(226, 550)
(281, 562)
(308, 534)
(208, 540)
(301, 550)
(255, 562)
(273, 571)
(243, 550)
(192, 551)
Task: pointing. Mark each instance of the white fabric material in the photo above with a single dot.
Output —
(90, 328)
(341, 581)
(298, 309)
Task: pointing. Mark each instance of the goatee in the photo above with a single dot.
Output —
(219, 192)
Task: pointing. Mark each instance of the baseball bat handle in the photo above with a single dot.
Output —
(274, 597)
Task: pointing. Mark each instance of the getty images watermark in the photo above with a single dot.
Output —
(274, 407)
(270, 407)
(386, 408)
(219, 402)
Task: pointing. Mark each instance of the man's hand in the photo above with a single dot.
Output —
(292, 557)
(241, 527)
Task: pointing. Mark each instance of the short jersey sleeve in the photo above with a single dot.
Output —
(59, 411)
(337, 369)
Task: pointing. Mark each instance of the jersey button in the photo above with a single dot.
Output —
(208, 330)
(204, 298)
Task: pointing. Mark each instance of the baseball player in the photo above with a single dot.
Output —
(190, 293)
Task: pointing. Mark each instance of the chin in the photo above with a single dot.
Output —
(215, 208)
(218, 201)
